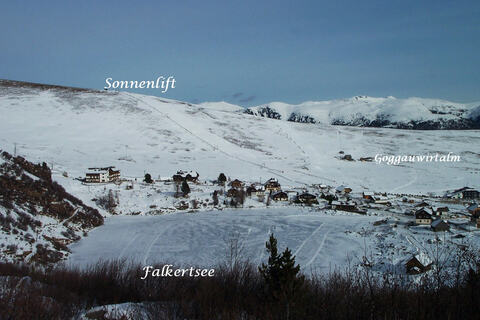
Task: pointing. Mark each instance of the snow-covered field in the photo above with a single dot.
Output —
(322, 241)
(76, 130)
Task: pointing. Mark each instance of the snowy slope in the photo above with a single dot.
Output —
(75, 129)
(37, 217)
(411, 113)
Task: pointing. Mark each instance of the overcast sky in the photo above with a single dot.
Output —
(249, 52)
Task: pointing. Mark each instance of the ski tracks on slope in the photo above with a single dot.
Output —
(308, 238)
(132, 240)
(152, 243)
(412, 181)
(319, 249)
(312, 242)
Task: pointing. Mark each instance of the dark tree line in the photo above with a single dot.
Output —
(276, 290)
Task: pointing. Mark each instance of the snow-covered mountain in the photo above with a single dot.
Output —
(73, 129)
(362, 111)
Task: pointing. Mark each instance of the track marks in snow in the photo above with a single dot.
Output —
(132, 240)
(308, 238)
(319, 249)
(412, 181)
(152, 243)
(313, 243)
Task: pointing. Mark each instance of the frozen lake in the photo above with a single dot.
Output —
(319, 241)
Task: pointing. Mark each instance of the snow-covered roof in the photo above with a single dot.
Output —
(437, 222)
(423, 258)
(97, 170)
(186, 173)
(426, 210)
(472, 207)
(458, 191)
(421, 204)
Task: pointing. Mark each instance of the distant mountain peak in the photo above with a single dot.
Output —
(365, 111)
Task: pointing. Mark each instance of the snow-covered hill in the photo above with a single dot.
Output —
(73, 129)
(38, 219)
(362, 111)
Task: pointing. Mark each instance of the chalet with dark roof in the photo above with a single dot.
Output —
(418, 264)
(280, 196)
(344, 206)
(422, 204)
(236, 184)
(423, 216)
(272, 185)
(306, 198)
(440, 225)
(232, 192)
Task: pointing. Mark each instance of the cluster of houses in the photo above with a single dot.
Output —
(272, 189)
(339, 198)
(434, 216)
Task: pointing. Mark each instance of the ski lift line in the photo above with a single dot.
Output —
(271, 170)
(172, 120)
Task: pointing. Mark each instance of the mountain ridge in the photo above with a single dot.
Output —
(359, 111)
(390, 112)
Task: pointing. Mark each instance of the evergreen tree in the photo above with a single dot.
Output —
(291, 281)
(240, 197)
(282, 278)
(185, 188)
(148, 178)
(271, 271)
(222, 178)
(328, 197)
(215, 198)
